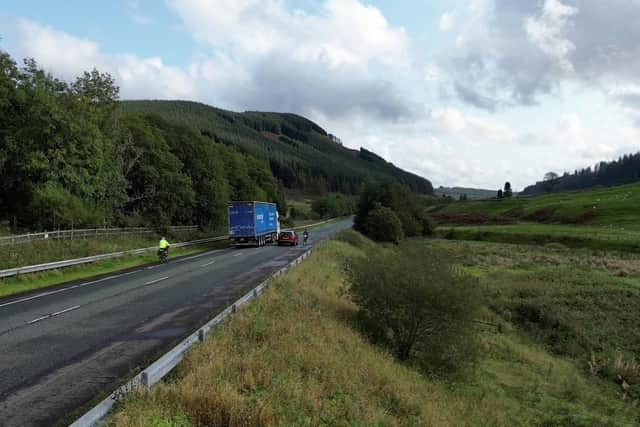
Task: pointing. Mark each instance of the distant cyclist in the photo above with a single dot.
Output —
(305, 237)
(163, 249)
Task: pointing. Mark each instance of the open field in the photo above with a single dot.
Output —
(574, 236)
(293, 357)
(607, 207)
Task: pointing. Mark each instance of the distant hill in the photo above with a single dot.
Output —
(625, 170)
(612, 206)
(299, 152)
(472, 193)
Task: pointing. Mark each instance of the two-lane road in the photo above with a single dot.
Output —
(62, 347)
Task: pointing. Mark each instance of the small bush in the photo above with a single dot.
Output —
(412, 301)
(383, 225)
(428, 225)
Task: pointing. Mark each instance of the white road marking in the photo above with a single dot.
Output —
(238, 254)
(57, 313)
(157, 280)
(208, 264)
(81, 285)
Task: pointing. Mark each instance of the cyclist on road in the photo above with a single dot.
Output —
(163, 246)
(305, 237)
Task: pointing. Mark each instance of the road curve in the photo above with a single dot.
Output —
(62, 347)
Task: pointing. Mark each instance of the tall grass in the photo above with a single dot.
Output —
(291, 358)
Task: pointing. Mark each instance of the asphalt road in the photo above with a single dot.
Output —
(62, 347)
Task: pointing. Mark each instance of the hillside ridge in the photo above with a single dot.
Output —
(299, 152)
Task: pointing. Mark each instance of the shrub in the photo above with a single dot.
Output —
(412, 301)
(399, 199)
(383, 225)
(428, 225)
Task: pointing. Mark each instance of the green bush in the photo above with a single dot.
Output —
(428, 225)
(399, 199)
(413, 301)
(383, 225)
(334, 205)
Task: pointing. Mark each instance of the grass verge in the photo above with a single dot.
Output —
(293, 357)
(29, 282)
(43, 251)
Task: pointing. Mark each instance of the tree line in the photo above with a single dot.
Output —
(625, 170)
(70, 157)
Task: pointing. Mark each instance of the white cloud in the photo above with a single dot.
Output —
(547, 31)
(447, 21)
(347, 31)
(68, 56)
(513, 53)
(453, 123)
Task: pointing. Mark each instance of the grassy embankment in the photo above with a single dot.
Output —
(598, 219)
(47, 251)
(293, 357)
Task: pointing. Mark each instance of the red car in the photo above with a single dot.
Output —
(288, 238)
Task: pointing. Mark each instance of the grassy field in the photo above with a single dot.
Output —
(23, 283)
(572, 236)
(293, 357)
(607, 207)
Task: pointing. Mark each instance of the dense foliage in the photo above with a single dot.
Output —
(412, 300)
(384, 225)
(299, 152)
(334, 205)
(70, 158)
(402, 202)
(622, 171)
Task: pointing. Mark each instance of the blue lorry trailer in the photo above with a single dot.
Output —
(253, 223)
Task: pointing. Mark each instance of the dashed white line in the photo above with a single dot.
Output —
(157, 280)
(57, 313)
(208, 264)
(238, 254)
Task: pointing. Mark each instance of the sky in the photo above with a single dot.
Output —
(463, 92)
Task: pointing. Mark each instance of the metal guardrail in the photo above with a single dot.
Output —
(86, 260)
(161, 367)
(85, 233)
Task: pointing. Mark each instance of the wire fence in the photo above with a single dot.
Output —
(86, 233)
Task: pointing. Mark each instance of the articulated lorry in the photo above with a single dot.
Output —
(253, 223)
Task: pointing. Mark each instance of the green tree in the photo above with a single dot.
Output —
(383, 225)
(413, 301)
(507, 190)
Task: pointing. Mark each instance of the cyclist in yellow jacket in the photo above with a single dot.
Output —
(163, 246)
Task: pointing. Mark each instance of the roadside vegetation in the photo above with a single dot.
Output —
(71, 158)
(29, 282)
(304, 354)
(43, 251)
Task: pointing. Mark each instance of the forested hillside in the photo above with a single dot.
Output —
(74, 155)
(625, 170)
(70, 158)
(300, 153)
